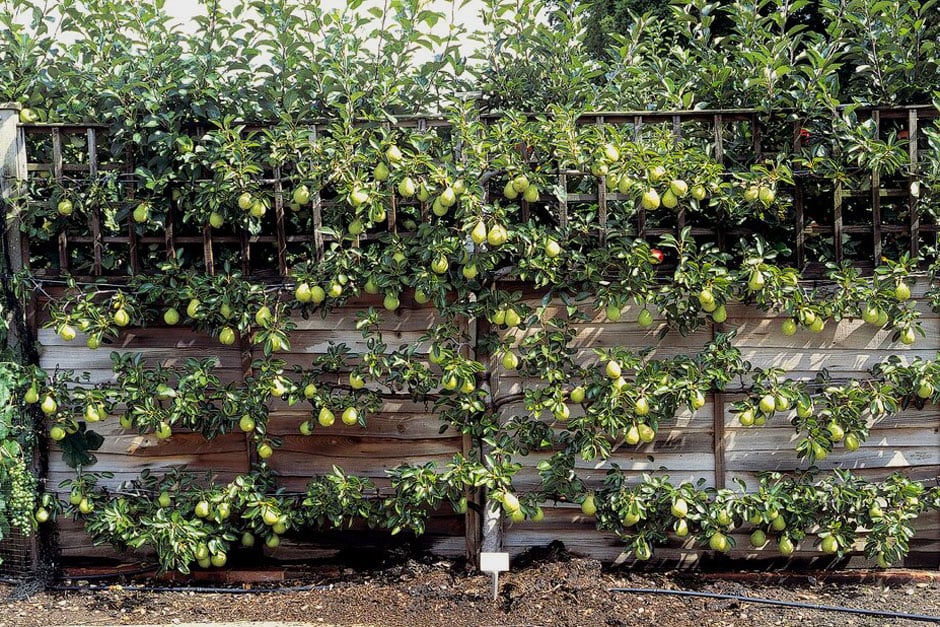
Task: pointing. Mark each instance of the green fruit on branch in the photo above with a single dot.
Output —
(720, 314)
(612, 312)
(680, 508)
(246, 423)
(407, 187)
(767, 404)
(520, 183)
(448, 197)
(611, 153)
(647, 433)
(679, 188)
(531, 194)
(925, 389)
(393, 154)
(650, 200)
(852, 442)
(264, 317)
(57, 433)
(67, 332)
(227, 336)
(258, 208)
(163, 431)
(552, 249)
(836, 432)
(302, 292)
(645, 319)
(758, 538)
(245, 201)
(510, 360)
(141, 213)
(682, 527)
(907, 336)
(380, 173)
(358, 197)
(656, 173)
(588, 505)
(93, 412)
(632, 437)
(440, 265)
(28, 116)
(171, 316)
(350, 416)
(612, 369)
(901, 291)
(706, 299)
(326, 418)
(756, 281)
(356, 381)
(577, 395)
(669, 200)
(766, 195)
(265, 450)
(497, 235)
(391, 301)
(479, 234)
(31, 395)
(746, 418)
(301, 195)
(719, 542)
(65, 207)
(642, 406)
(829, 544)
(49, 405)
(870, 314)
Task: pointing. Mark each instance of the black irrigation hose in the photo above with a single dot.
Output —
(796, 604)
(200, 589)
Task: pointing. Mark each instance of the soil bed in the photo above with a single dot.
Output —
(549, 588)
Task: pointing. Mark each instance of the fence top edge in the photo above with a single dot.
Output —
(15, 106)
(583, 116)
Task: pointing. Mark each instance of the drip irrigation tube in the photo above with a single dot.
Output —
(796, 604)
(199, 589)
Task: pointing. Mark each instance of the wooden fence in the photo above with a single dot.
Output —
(707, 445)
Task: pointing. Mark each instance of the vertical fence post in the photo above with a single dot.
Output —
(12, 175)
(12, 178)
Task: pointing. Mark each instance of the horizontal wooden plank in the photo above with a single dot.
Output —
(897, 458)
(927, 474)
(379, 425)
(317, 454)
(782, 438)
(701, 420)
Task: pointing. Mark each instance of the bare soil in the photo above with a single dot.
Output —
(544, 588)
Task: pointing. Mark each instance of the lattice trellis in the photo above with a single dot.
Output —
(878, 208)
